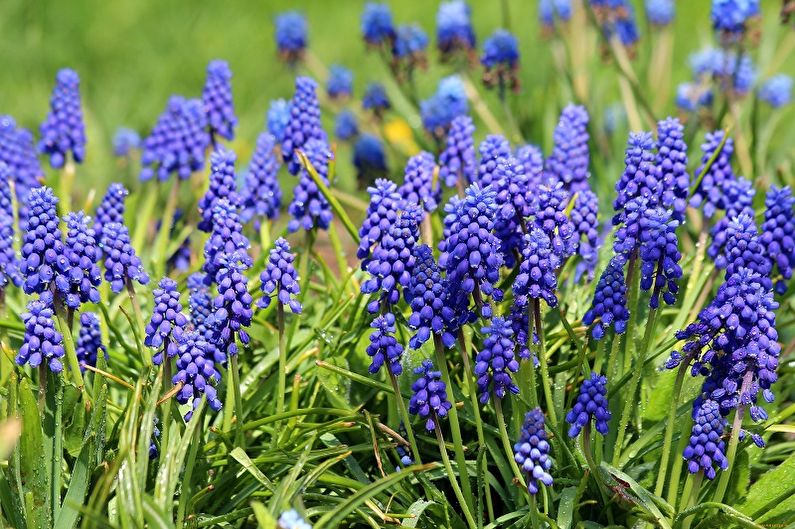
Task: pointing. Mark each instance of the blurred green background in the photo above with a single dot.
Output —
(132, 54)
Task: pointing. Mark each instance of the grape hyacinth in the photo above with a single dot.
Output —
(531, 453)
(381, 213)
(42, 343)
(491, 150)
(609, 306)
(63, 132)
(18, 152)
(429, 395)
(217, 100)
(500, 60)
(177, 142)
(706, 448)
(291, 36)
(280, 277)
(660, 12)
(457, 161)
(454, 32)
(277, 118)
(125, 141)
(730, 17)
(304, 122)
(369, 158)
(640, 178)
(627, 239)
(552, 201)
(418, 186)
(659, 255)
(309, 207)
(375, 99)
(226, 238)
(744, 249)
(384, 348)
(739, 197)
(223, 184)
(514, 204)
(377, 27)
(777, 91)
(111, 209)
(122, 265)
(89, 341)
(447, 103)
(232, 305)
(710, 189)
(570, 156)
(261, 196)
(692, 96)
(531, 157)
(43, 260)
(197, 373)
(292, 520)
(495, 361)
(408, 49)
(199, 301)
(537, 278)
(82, 255)
(671, 164)
(340, 82)
(167, 323)
(584, 217)
(9, 263)
(426, 294)
(778, 233)
(591, 404)
(346, 126)
(520, 323)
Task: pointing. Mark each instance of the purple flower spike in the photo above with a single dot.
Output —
(640, 177)
(346, 127)
(199, 301)
(418, 185)
(63, 132)
(369, 158)
(82, 255)
(277, 118)
(426, 294)
(531, 157)
(514, 204)
(495, 361)
(778, 233)
(454, 32)
(777, 91)
(280, 277)
(500, 60)
(111, 209)
(552, 201)
(89, 341)
(491, 150)
(672, 166)
(178, 141)
(744, 249)
(457, 160)
(537, 278)
(591, 404)
(167, 323)
(383, 347)
(707, 448)
(531, 453)
(304, 123)
(225, 239)
(197, 372)
(377, 26)
(609, 305)
(659, 255)
(710, 189)
(261, 195)
(429, 395)
(18, 152)
(381, 213)
(739, 197)
(222, 185)
(291, 36)
(232, 305)
(42, 343)
(447, 103)
(570, 156)
(585, 218)
(122, 265)
(340, 82)
(309, 207)
(43, 260)
(217, 99)
(9, 264)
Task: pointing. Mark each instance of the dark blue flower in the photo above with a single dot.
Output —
(627, 239)
(9, 263)
(706, 448)
(744, 249)
(671, 164)
(280, 278)
(217, 100)
(495, 361)
(232, 306)
(585, 218)
(63, 132)
(429, 395)
(223, 184)
(731, 16)
(167, 323)
(304, 123)
(537, 278)
(500, 60)
(89, 341)
(122, 265)
(125, 141)
(447, 103)
(83, 255)
(691, 96)
(42, 343)
(111, 209)
(277, 118)
(340, 82)
(777, 91)
(491, 150)
(383, 347)
(591, 403)
(570, 156)
(457, 160)
(514, 204)
(520, 323)
(261, 196)
(309, 207)
(346, 125)
(710, 189)
(739, 197)
(609, 306)
(226, 238)
(381, 213)
(177, 142)
(640, 178)
(778, 233)
(197, 373)
(659, 255)
(418, 186)
(531, 157)
(377, 26)
(18, 152)
(199, 301)
(408, 49)
(551, 203)
(454, 31)
(369, 158)
(531, 453)
(43, 260)
(660, 12)
(426, 294)
(291, 35)
(375, 99)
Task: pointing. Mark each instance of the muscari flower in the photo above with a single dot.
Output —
(223, 184)
(43, 260)
(280, 278)
(346, 125)
(492, 149)
(777, 91)
(42, 343)
(226, 238)
(63, 131)
(408, 48)
(292, 520)
(426, 294)
(375, 99)
(531, 453)
(660, 12)
(514, 204)
(519, 318)
(369, 158)
(454, 32)
(217, 100)
(429, 395)
(739, 197)
(457, 161)
(609, 306)
(671, 165)
(232, 306)
(9, 264)
(167, 323)
(111, 209)
(377, 27)
(706, 447)
(659, 256)
(82, 255)
(691, 96)
(384, 349)
(125, 141)
(731, 16)
(495, 361)
(122, 265)
(382, 212)
(277, 118)
(177, 142)
(710, 188)
(340, 82)
(778, 233)
(304, 123)
(89, 341)
(744, 249)
(551, 203)
(570, 156)
(531, 157)
(309, 207)
(392, 263)
(585, 218)
(199, 301)
(627, 238)
(640, 178)
(261, 196)
(591, 404)
(418, 186)
(447, 103)
(291, 36)
(197, 373)
(18, 152)
(537, 278)
(501, 61)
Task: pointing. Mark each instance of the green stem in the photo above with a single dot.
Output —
(734, 440)
(145, 213)
(65, 188)
(455, 427)
(282, 358)
(57, 446)
(676, 470)
(404, 415)
(265, 235)
(451, 476)
(303, 275)
(506, 441)
(166, 420)
(139, 318)
(633, 280)
(612, 363)
(690, 496)
(166, 222)
(69, 345)
(542, 359)
(629, 401)
(586, 450)
(669, 428)
(238, 399)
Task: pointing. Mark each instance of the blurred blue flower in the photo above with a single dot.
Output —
(217, 100)
(340, 82)
(457, 160)
(346, 125)
(277, 118)
(454, 31)
(291, 35)
(570, 158)
(125, 141)
(660, 12)
(377, 27)
(63, 131)
(375, 99)
(369, 158)
(777, 91)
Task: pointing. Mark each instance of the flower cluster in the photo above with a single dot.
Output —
(429, 395)
(380, 215)
(369, 158)
(514, 204)
(591, 404)
(377, 26)
(346, 126)
(777, 91)
(197, 373)
(226, 238)
(309, 207)
(447, 103)
(43, 260)
(570, 156)
(122, 265)
(408, 49)
(18, 152)
(89, 341)
(199, 301)
(383, 347)
(492, 150)
(167, 323)
(261, 196)
(532, 451)
(731, 17)
(609, 305)
(457, 160)
(744, 249)
(531, 157)
(280, 277)
(778, 233)
(706, 447)
(42, 343)
(418, 186)
(82, 255)
(426, 294)
(660, 12)
(454, 32)
(659, 256)
(217, 100)
(710, 189)
(551, 204)
(111, 209)
(672, 166)
(640, 177)
(303, 125)
(537, 278)
(340, 82)
(9, 265)
(125, 141)
(375, 99)
(277, 118)
(63, 132)
(291, 36)
(739, 197)
(232, 305)
(501, 61)
(584, 217)
(222, 185)
(495, 361)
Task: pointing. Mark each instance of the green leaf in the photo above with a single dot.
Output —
(78, 485)
(632, 492)
(739, 519)
(33, 464)
(265, 519)
(155, 517)
(566, 507)
(338, 387)
(241, 457)
(774, 486)
(415, 510)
